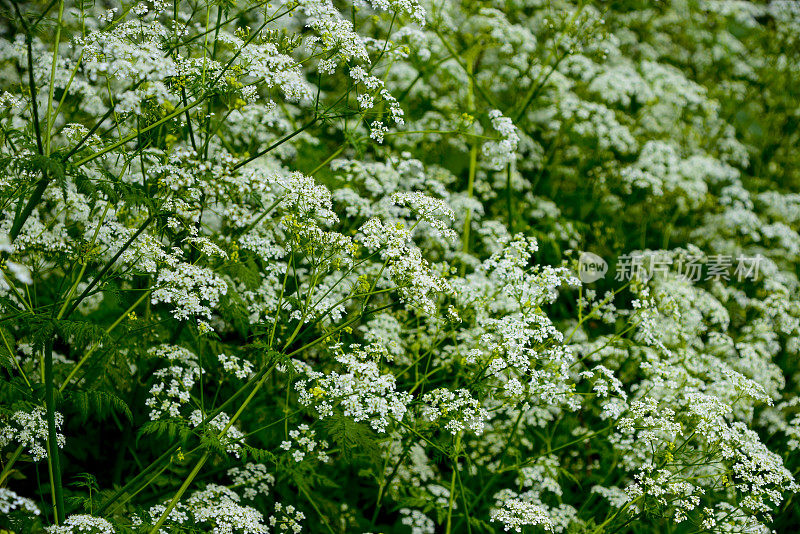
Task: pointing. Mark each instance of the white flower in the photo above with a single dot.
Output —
(457, 408)
(502, 152)
(10, 501)
(515, 513)
(79, 523)
(29, 429)
(190, 290)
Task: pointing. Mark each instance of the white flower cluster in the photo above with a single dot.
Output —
(287, 518)
(417, 521)
(172, 388)
(191, 290)
(513, 342)
(428, 209)
(362, 391)
(660, 170)
(302, 442)
(501, 153)
(597, 123)
(233, 140)
(458, 408)
(510, 270)
(515, 513)
(413, 9)
(217, 509)
(254, 479)
(79, 523)
(29, 429)
(622, 85)
(10, 502)
(240, 367)
(416, 283)
(271, 68)
(377, 86)
(304, 197)
(335, 32)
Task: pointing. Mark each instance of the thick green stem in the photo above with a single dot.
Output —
(180, 492)
(138, 132)
(473, 164)
(33, 201)
(53, 457)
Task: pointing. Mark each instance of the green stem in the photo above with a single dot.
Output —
(108, 265)
(275, 144)
(53, 456)
(452, 488)
(316, 508)
(52, 80)
(85, 263)
(16, 362)
(180, 492)
(155, 463)
(11, 461)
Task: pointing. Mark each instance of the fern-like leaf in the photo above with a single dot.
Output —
(98, 403)
(352, 438)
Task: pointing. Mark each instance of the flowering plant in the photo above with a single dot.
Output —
(315, 266)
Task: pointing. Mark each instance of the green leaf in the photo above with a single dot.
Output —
(352, 438)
